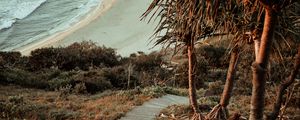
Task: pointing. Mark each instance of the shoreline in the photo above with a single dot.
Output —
(119, 28)
(90, 17)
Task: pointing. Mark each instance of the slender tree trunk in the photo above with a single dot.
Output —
(220, 111)
(256, 47)
(229, 79)
(192, 86)
(259, 66)
(284, 86)
(129, 76)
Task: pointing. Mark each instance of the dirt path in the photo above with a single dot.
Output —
(150, 109)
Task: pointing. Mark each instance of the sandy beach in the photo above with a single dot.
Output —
(93, 15)
(114, 23)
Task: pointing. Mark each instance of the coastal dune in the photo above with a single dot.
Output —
(114, 23)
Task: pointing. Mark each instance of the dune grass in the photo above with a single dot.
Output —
(24, 103)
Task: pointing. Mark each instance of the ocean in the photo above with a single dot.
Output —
(26, 21)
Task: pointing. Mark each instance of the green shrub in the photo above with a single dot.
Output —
(44, 58)
(147, 68)
(216, 87)
(211, 100)
(216, 74)
(80, 88)
(23, 78)
(18, 109)
(16, 99)
(84, 55)
(153, 91)
(280, 70)
(9, 59)
(58, 83)
(118, 76)
(243, 83)
(94, 80)
(62, 114)
(216, 56)
(91, 81)
(143, 62)
(181, 73)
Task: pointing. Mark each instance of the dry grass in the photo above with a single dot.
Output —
(239, 104)
(112, 107)
(40, 104)
(18, 102)
(175, 112)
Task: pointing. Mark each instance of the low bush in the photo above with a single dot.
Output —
(216, 56)
(16, 99)
(22, 77)
(16, 108)
(147, 69)
(91, 81)
(280, 70)
(84, 55)
(118, 77)
(154, 91)
(62, 114)
(210, 101)
(243, 84)
(9, 58)
(216, 87)
(201, 71)
(94, 80)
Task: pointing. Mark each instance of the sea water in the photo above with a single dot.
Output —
(25, 21)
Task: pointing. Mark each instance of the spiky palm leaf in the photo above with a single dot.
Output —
(186, 21)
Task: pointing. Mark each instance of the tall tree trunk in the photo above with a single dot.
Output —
(230, 78)
(192, 86)
(220, 111)
(284, 86)
(259, 66)
(129, 75)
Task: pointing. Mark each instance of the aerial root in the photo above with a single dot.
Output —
(198, 116)
(217, 113)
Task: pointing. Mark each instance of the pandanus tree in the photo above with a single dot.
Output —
(183, 22)
(252, 22)
(187, 21)
(252, 27)
(271, 11)
(183, 27)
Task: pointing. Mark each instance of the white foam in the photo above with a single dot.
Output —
(84, 9)
(54, 16)
(11, 10)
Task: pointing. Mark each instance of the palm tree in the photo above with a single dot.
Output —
(187, 21)
(255, 11)
(260, 64)
(259, 67)
(183, 22)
